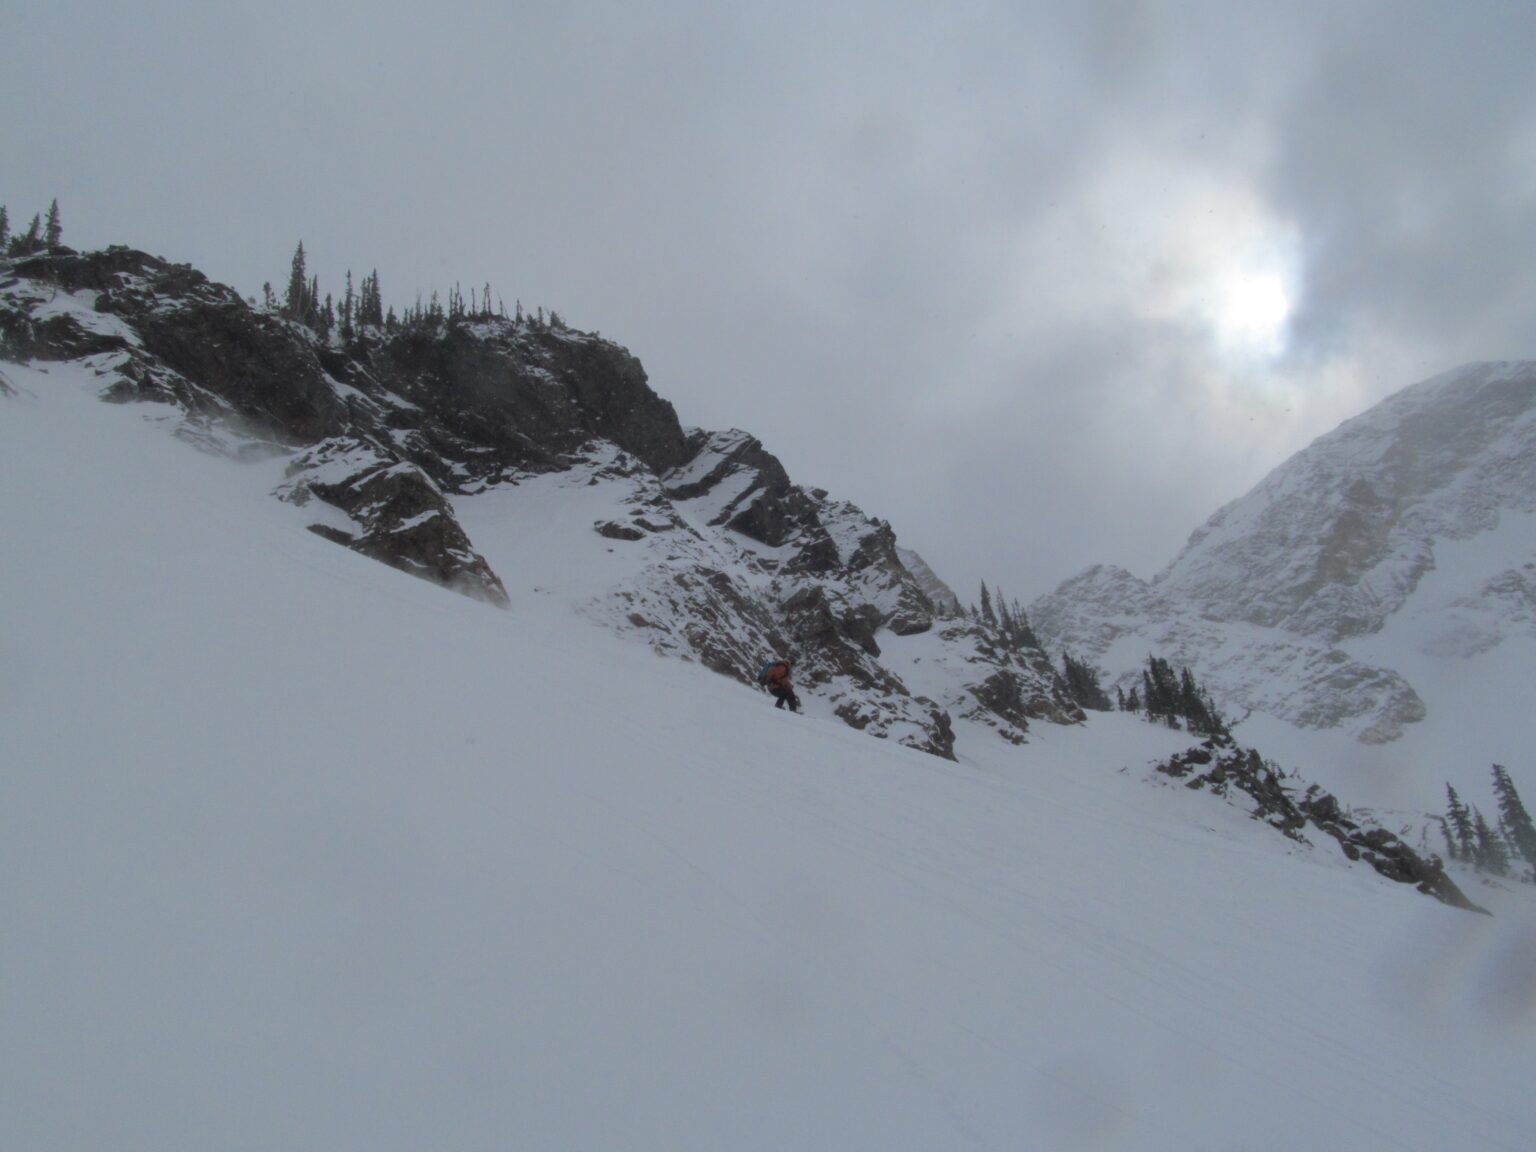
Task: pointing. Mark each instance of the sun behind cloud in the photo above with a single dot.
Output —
(1252, 307)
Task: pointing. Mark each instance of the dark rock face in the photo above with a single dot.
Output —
(398, 515)
(615, 531)
(257, 366)
(464, 401)
(1220, 766)
(521, 398)
(168, 334)
(723, 455)
(261, 370)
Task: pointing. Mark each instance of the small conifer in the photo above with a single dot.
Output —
(1492, 855)
(298, 286)
(1462, 833)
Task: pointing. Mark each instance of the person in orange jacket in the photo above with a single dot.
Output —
(775, 677)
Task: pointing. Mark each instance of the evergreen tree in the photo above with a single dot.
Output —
(1082, 682)
(30, 241)
(1450, 840)
(1196, 708)
(1516, 820)
(1161, 691)
(1133, 700)
(986, 605)
(1460, 821)
(1492, 856)
(268, 301)
(1171, 697)
(295, 301)
(371, 303)
(325, 319)
(348, 304)
(55, 230)
(1023, 630)
(5, 228)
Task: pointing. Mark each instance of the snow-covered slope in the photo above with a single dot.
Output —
(301, 852)
(1381, 580)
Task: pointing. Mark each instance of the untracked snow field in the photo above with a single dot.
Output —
(299, 852)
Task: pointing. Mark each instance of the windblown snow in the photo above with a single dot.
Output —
(302, 852)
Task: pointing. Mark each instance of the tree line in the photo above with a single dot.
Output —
(361, 310)
(1007, 618)
(1165, 697)
(1175, 699)
(1508, 849)
(41, 235)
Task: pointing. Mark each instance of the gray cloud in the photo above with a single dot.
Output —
(981, 269)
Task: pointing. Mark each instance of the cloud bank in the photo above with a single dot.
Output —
(1042, 284)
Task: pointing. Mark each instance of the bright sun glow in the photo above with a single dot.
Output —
(1250, 313)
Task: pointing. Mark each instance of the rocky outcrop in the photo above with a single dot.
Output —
(394, 513)
(384, 430)
(940, 595)
(421, 412)
(1222, 767)
(183, 338)
(497, 397)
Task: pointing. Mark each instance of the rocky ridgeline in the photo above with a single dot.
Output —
(1222, 767)
(384, 432)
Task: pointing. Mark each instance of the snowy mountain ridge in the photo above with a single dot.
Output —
(1286, 601)
(396, 438)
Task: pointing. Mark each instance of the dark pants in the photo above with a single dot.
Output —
(786, 695)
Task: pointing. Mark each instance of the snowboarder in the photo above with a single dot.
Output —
(775, 677)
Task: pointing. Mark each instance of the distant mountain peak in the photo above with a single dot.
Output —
(1270, 595)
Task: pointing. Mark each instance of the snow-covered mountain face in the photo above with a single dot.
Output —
(1390, 555)
(450, 448)
(300, 852)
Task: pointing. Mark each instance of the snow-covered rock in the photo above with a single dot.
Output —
(702, 546)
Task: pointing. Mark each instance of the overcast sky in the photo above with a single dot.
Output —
(1043, 284)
